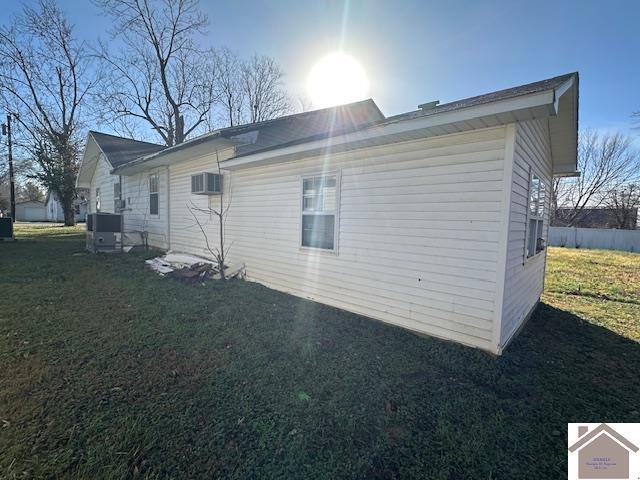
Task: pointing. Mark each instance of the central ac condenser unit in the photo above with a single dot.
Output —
(104, 232)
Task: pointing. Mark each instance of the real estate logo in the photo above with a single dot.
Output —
(604, 451)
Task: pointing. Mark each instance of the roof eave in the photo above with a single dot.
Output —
(174, 155)
(80, 182)
(524, 107)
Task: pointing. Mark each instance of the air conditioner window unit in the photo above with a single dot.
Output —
(206, 184)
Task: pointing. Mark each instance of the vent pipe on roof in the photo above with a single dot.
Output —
(429, 105)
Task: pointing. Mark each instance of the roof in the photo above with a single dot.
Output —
(508, 93)
(120, 150)
(587, 437)
(361, 124)
(268, 134)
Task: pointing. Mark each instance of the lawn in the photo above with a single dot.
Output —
(109, 371)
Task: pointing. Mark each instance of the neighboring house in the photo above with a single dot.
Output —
(595, 218)
(434, 220)
(55, 212)
(30, 211)
(603, 453)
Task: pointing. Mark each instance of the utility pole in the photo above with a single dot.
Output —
(6, 130)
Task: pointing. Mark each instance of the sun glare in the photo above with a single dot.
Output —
(336, 79)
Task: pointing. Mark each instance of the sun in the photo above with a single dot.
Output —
(336, 79)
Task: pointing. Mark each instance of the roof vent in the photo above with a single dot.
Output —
(429, 105)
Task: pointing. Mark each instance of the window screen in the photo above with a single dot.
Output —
(535, 227)
(319, 208)
(153, 194)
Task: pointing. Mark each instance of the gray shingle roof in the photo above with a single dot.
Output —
(269, 134)
(319, 124)
(121, 150)
(284, 130)
(529, 88)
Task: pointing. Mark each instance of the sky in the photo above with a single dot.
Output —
(418, 51)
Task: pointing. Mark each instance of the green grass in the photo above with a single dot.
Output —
(600, 285)
(109, 371)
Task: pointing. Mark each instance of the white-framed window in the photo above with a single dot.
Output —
(319, 215)
(97, 199)
(153, 194)
(535, 241)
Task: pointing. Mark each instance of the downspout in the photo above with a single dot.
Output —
(123, 234)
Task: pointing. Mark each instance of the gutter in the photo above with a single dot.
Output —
(542, 101)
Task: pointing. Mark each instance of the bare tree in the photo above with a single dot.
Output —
(605, 161)
(30, 191)
(221, 250)
(160, 76)
(44, 77)
(624, 202)
(230, 92)
(262, 85)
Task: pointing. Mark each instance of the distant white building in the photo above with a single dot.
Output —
(30, 211)
(55, 213)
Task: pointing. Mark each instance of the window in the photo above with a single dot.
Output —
(153, 194)
(117, 192)
(97, 199)
(319, 212)
(535, 216)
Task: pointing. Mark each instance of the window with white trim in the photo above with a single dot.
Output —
(97, 199)
(535, 216)
(153, 194)
(319, 212)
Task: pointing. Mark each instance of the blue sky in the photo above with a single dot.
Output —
(417, 51)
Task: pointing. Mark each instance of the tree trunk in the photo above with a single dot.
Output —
(67, 197)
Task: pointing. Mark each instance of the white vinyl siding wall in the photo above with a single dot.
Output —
(103, 180)
(524, 278)
(185, 234)
(135, 191)
(418, 232)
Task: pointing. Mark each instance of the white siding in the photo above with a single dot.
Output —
(524, 280)
(418, 233)
(185, 234)
(102, 179)
(135, 190)
(137, 219)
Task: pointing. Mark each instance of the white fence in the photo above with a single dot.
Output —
(605, 238)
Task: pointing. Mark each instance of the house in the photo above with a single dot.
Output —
(30, 211)
(55, 212)
(434, 220)
(603, 453)
(103, 153)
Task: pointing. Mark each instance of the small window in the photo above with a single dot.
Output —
(535, 213)
(319, 211)
(97, 199)
(153, 194)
